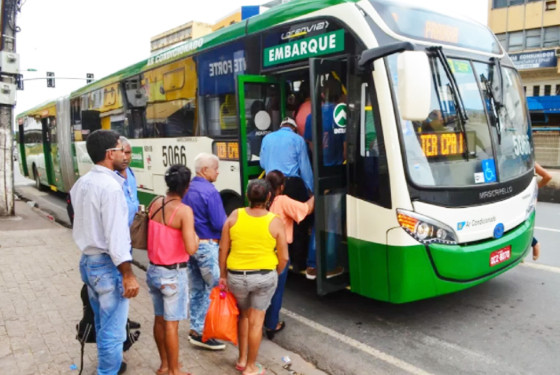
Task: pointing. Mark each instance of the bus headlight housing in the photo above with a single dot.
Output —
(424, 229)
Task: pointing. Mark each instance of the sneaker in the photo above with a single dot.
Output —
(311, 273)
(210, 344)
(337, 271)
(133, 325)
(122, 369)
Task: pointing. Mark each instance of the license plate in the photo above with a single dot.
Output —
(499, 256)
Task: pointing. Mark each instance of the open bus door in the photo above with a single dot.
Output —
(47, 177)
(329, 117)
(22, 158)
(52, 157)
(261, 107)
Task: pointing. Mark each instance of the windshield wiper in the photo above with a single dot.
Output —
(457, 98)
(495, 105)
(498, 68)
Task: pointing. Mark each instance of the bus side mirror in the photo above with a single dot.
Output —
(414, 85)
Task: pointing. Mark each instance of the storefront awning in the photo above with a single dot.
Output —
(544, 104)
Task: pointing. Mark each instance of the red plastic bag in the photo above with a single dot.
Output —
(221, 319)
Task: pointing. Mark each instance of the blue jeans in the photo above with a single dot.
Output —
(204, 273)
(168, 289)
(110, 309)
(273, 312)
(334, 210)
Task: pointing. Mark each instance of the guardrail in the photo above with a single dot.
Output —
(547, 146)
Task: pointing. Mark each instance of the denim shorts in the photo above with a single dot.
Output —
(253, 290)
(169, 292)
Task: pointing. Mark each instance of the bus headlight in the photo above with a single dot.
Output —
(424, 229)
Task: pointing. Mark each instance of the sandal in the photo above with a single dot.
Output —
(238, 367)
(271, 332)
(166, 371)
(260, 370)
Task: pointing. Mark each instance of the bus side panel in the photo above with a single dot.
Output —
(411, 275)
(368, 269)
(145, 198)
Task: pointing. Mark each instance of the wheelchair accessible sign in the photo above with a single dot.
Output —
(488, 173)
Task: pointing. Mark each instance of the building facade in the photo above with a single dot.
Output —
(187, 31)
(192, 30)
(530, 31)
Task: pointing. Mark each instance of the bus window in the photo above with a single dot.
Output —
(508, 119)
(91, 121)
(262, 114)
(120, 125)
(444, 149)
(136, 100)
(75, 113)
(368, 164)
(220, 115)
(32, 132)
(136, 122)
(171, 119)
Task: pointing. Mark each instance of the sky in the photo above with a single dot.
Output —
(75, 37)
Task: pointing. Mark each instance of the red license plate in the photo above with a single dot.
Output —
(499, 256)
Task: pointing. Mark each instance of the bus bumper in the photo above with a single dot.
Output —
(400, 274)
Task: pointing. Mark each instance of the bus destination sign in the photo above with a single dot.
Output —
(442, 144)
(226, 150)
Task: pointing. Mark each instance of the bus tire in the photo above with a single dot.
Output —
(36, 178)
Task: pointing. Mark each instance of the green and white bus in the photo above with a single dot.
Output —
(436, 193)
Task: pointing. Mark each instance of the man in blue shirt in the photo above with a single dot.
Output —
(203, 268)
(333, 136)
(130, 193)
(129, 186)
(286, 151)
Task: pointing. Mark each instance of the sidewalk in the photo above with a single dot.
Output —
(40, 306)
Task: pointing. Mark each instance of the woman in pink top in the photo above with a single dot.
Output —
(171, 239)
(289, 211)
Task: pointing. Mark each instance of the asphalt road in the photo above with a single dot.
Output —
(508, 325)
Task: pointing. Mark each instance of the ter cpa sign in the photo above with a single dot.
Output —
(537, 59)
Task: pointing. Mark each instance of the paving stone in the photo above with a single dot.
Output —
(40, 306)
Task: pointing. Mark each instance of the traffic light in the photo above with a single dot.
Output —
(19, 81)
(50, 79)
(89, 77)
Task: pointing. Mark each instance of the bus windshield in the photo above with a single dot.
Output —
(423, 24)
(492, 143)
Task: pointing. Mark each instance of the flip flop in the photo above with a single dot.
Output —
(261, 370)
(238, 367)
(165, 372)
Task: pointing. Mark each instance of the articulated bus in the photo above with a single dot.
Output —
(436, 192)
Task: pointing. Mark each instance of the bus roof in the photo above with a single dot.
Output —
(37, 109)
(276, 15)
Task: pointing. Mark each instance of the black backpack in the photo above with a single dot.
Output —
(86, 328)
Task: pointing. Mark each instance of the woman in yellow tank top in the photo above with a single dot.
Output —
(249, 268)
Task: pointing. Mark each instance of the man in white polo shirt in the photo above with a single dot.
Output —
(101, 232)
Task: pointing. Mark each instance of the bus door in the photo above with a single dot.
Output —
(328, 132)
(261, 107)
(52, 159)
(22, 158)
(46, 175)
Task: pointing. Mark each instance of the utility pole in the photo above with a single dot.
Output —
(9, 69)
